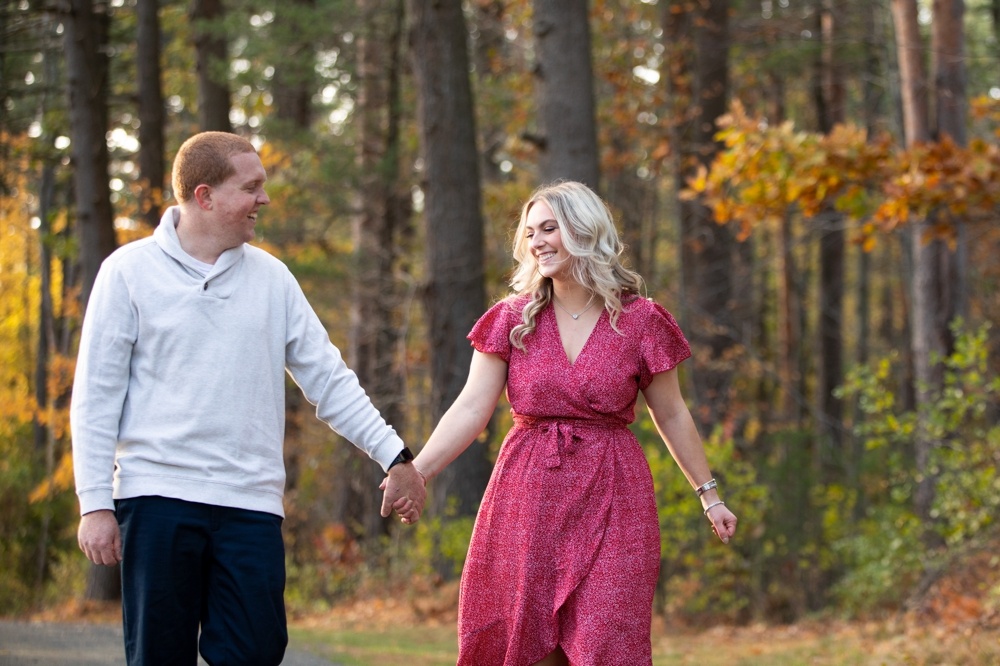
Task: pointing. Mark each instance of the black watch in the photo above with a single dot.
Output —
(404, 456)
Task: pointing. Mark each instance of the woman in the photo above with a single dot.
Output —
(564, 556)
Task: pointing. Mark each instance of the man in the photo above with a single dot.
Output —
(178, 419)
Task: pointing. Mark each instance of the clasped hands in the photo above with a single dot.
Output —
(404, 491)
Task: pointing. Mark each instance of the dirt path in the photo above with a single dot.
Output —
(71, 644)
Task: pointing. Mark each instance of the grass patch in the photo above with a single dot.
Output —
(812, 644)
(386, 645)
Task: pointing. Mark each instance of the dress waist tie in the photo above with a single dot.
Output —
(561, 436)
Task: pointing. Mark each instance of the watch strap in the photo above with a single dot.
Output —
(404, 456)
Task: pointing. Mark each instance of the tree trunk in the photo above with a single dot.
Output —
(698, 36)
(46, 325)
(789, 331)
(635, 201)
(491, 56)
(151, 111)
(947, 47)
(211, 52)
(926, 338)
(912, 74)
(384, 214)
(86, 26)
(830, 409)
(995, 17)
(863, 312)
(103, 583)
(454, 291)
(564, 79)
(295, 73)
(873, 68)
(45, 437)
(831, 341)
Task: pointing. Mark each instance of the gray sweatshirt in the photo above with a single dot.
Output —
(180, 379)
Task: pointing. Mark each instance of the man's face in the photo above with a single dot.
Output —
(236, 201)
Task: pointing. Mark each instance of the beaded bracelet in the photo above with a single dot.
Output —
(701, 490)
(712, 506)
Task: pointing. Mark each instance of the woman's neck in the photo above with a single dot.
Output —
(572, 295)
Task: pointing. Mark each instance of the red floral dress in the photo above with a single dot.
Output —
(566, 545)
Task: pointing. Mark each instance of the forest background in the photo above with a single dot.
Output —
(811, 187)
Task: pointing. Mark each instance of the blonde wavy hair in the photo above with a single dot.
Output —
(588, 233)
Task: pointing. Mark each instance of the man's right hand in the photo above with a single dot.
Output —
(404, 491)
(99, 537)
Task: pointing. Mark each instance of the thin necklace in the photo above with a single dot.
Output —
(576, 316)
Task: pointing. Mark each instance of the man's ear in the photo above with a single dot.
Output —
(203, 196)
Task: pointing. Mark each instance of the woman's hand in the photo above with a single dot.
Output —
(723, 520)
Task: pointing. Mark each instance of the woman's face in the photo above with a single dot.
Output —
(544, 238)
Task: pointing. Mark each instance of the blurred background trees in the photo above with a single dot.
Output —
(810, 186)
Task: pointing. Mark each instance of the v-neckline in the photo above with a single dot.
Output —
(559, 336)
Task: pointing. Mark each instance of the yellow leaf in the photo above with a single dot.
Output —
(61, 479)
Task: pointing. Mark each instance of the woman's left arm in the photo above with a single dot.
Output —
(677, 428)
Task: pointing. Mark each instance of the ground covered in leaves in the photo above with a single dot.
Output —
(954, 622)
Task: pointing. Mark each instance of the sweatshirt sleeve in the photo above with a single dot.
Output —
(100, 386)
(318, 368)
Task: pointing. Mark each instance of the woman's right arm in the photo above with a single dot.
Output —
(468, 415)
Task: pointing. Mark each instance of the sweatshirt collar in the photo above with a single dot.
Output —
(166, 238)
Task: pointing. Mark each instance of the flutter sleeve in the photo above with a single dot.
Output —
(663, 345)
(491, 334)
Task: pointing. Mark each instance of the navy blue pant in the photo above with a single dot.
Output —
(187, 565)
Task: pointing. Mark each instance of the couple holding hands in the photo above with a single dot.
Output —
(178, 421)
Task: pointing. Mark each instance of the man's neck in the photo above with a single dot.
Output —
(193, 241)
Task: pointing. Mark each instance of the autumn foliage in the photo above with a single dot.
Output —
(765, 173)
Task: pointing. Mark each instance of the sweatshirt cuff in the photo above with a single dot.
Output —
(98, 499)
(387, 450)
